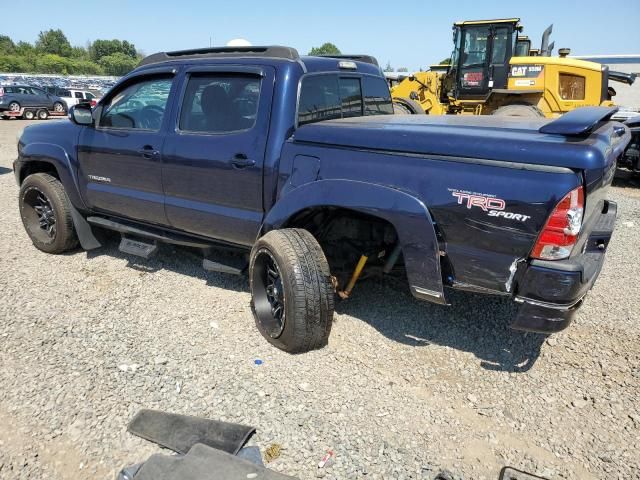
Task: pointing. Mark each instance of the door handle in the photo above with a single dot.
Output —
(148, 152)
(240, 160)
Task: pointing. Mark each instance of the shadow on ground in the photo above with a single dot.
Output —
(626, 179)
(474, 323)
(182, 260)
(4, 170)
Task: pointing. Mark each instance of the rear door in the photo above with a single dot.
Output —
(120, 161)
(214, 152)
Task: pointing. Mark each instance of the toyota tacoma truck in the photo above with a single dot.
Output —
(295, 170)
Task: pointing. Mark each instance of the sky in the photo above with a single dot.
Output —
(410, 34)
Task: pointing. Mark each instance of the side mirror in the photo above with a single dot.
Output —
(81, 115)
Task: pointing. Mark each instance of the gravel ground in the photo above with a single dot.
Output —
(403, 389)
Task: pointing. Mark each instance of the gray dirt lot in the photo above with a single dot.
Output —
(403, 389)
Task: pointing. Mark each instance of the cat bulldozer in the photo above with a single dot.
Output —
(495, 71)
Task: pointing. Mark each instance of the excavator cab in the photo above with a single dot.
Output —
(480, 59)
(523, 46)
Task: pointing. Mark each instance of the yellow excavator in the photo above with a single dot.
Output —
(495, 71)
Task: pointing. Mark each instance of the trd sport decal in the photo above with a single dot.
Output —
(489, 203)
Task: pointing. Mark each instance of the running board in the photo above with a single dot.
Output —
(150, 233)
(138, 248)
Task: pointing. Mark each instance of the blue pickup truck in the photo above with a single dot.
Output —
(295, 170)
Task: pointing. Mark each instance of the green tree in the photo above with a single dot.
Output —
(446, 61)
(25, 49)
(326, 49)
(105, 48)
(7, 47)
(54, 42)
(388, 68)
(79, 53)
(117, 64)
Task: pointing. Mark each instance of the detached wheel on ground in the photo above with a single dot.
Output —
(519, 110)
(291, 289)
(46, 214)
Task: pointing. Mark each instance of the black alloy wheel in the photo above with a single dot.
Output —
(269, 298)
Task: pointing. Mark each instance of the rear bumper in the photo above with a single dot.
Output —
(550, 292)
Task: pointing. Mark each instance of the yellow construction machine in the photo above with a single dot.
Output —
(495, 71)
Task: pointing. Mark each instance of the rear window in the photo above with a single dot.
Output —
(326, 97)
(377, 98)
(351, 95)
(319, 99)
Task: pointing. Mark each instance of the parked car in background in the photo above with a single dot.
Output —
(73, 97)
(15, 97)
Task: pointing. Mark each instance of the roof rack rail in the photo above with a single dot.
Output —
(273, 51)
(358, 58)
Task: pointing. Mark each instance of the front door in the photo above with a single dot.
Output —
(119, 159)
(213, 155)
(473, 64)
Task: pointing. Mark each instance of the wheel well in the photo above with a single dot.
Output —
(38, 167)
(345, 235)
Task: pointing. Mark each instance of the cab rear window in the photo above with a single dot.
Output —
(326, 97)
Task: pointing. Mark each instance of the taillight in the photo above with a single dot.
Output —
(1, 92)
(560, 233)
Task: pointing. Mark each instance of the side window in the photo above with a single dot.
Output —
(351, 96)
(377, 99)
(500, 44)
(37, 91)
(571, 87)
(78, 95)
(319, 99)
(89, 95)
(138, 105)
(64, 93)
(220, 103)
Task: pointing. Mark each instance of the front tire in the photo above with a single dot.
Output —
(291, 289)
(58, 107)
(45, 210)
(14, 107)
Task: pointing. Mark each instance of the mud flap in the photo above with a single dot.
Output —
(181, 432)
(85, 235)
(203, 462)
